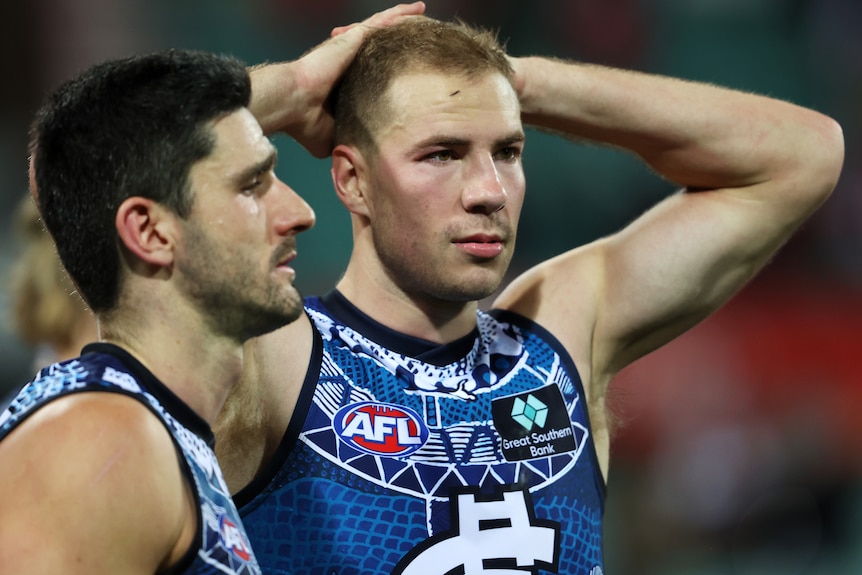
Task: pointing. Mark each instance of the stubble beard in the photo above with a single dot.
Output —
(246, 317)
(434, 280)
(239, 300)
(439, 272)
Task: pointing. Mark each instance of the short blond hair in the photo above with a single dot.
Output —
(417, 44)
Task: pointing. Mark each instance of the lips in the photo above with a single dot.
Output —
(287, 259)
(481, 245)
(284, 256)
(480, 239)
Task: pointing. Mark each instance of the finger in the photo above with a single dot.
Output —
(383, 18)
(395, 13)
(338, 30)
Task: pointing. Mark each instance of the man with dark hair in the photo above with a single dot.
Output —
(157, 185)
(397, 427)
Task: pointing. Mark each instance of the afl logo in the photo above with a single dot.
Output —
(233, 539)
(380, 428)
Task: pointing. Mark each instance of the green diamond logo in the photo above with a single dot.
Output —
(529, 413)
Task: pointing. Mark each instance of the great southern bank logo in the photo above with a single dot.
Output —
(530, 412)
(380, 428)
(534, 424)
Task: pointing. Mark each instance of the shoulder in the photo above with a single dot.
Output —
(96, 424)
(562, 294)
(95, 478)
(574, 275)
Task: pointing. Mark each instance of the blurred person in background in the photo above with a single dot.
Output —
(399, 429)
(48, 313)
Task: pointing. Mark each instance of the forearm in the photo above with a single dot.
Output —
(272, 87)
(285, 99)
(696, 135)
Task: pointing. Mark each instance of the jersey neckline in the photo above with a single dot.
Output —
(171, 402)
(424, 350)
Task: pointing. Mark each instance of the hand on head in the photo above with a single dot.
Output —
(319, 70)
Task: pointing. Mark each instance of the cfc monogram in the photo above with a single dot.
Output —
(489, 536)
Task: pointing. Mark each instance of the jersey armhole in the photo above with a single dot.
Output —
(571, 368)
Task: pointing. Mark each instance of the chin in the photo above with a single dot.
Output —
(468, 293)
(271, 323)
(271, 318)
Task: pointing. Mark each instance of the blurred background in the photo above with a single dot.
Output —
(739, 449)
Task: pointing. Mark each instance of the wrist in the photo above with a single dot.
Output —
(528, 82)
(275, 99)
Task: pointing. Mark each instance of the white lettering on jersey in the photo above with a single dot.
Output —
(496, 537)
(379, 428)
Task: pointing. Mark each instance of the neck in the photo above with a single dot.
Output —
(413, 314)
(198, 367)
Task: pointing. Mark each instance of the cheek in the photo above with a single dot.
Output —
(408, 225)
(515, 186)
(394, 209)
(252, 210)
(514, 203)
(413, 207)
(246, 206)
(406, 234)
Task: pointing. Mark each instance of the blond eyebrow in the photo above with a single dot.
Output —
(259, 168)
(514, 137)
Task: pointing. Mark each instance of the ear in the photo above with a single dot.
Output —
(348, 177)
(146, 230)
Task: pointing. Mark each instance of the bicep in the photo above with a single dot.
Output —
(91, 484)
(675, 265)
(616, 299)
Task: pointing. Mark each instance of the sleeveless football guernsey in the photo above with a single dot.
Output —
(408, 457)
(221, 544)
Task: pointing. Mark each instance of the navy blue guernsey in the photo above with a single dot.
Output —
(221, 545)
(408, 457)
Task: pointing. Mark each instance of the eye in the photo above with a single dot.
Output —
(441, 156)
(259, 185)
(509, 154)
(252, 187)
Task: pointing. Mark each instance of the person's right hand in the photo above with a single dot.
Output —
(315, 74)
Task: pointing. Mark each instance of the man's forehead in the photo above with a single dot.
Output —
(425, 102)
(238, 125)
(238, 136)
(439, 84)
(239, 145)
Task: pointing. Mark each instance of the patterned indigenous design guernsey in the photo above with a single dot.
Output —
(473, 457)
(223, 547)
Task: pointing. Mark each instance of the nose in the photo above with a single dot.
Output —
(483, 192)
(294, 215)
